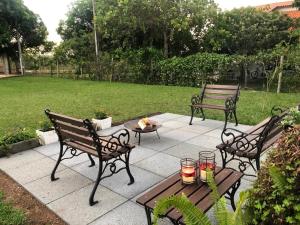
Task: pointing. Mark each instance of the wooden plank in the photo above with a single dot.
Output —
(83, 147)
(217, 97)
(75, 129)
(67, 119)
(225, 87)
(76, 137)
(202, 192)
(222, 92)
(158, 189)
(208, 106)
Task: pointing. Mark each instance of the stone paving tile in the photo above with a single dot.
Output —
(47, 191)
(174, 124)
(161, 164)
(139, 153)
(180, 135)
(210, 123)
(143, 180)
(33, 171)
(75, 210)
(197, 129)
(48, 150)
(158, 144)
(239, 127)
(184, 150)
(165, 116)
(186, 119)
(205, 141)
(125, 214)
(73, 161)
(85, 170)
(19, 159)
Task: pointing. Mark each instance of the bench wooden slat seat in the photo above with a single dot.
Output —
(249, 145)
(229, 94)
(79, 137)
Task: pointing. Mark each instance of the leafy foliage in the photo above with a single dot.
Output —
(45, 125)
(100, 115)
(193, 216)
(292, 118)
(274, 200)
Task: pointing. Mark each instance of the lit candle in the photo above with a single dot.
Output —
(188, 174)
(204, 167)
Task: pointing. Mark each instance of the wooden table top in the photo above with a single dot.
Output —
(198, 193)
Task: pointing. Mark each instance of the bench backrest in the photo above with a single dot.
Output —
(220, 92)
(69, 128)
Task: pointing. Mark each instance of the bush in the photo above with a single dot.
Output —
(13, 137)
(270, 204)
(45, 125)
(100, 115)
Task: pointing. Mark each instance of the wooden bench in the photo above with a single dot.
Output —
(229, 94)
(248, 146)
(227, 181)
(79, 136)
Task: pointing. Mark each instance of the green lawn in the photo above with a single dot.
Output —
(23, 100)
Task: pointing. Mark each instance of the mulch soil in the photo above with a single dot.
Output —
(35, 211)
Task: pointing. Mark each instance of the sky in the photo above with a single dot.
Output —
(52, 11)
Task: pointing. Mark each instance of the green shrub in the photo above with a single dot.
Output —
(100, 115)
(45, 125)
(271, 204)
(10, 215)
(13, 137)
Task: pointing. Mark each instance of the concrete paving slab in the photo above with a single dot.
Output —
(184, 150)
(197, 129)
(48, 150)
(125, 214)
(75, 210)
(161, 164)
(143, 180)
(209, 123)
(186, 119)
(33, 171)
(180, 135)
(158, 144)
(205, 141)
(20, 159)
(165, 116)
(174, 124)
(73, 161)
(47, 191)
(139, 153)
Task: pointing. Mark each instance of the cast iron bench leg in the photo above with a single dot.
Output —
(91, 199)
(53, 178)
(92, 160)
(192, 114)
(148, 215)
(232, 193)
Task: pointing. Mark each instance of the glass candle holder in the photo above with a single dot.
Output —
(188, 171)
(207, 161)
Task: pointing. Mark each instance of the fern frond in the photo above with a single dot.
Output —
(238, 216)
(191, 214)
(278, 178)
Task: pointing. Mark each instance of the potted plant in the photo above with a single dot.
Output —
(46, 133)
(292, 118)
(102, 120)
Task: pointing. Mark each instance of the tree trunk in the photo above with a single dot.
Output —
(246, 77)
(166, 45)
(20, 56)
(280, 74)
(57, 67)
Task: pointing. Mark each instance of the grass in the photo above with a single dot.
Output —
(10, 215)
(23, 100)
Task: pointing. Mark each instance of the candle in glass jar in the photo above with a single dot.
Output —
(204, 167)
(188, 174)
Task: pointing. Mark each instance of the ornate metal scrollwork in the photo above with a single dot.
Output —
(196, 99)
(230, 104)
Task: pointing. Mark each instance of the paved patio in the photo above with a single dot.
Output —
(151, 162)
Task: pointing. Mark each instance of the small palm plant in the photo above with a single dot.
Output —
(193, 216)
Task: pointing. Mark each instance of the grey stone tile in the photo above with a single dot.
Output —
(197, 129)
(174, 124)
(127, 213)
(184, 150)
(205, 141)
(240, 127)
(75, 210)
(161, 164)
(186, 119)
(215, 133)
(73, 161)
(47, 191)
(139, 153)
(210, 123)
(33, 171)
(158, 144)
(49, 150)
(143, 180)
(85, 170)
(165, 116)
(180, 135)
(20, 159)
(111, 130)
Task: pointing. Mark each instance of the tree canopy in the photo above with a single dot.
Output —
(18, 22)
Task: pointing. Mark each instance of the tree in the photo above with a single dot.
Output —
(246, 31)
(19, 25)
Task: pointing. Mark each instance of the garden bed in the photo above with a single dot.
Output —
(35, 211)
(19, 147)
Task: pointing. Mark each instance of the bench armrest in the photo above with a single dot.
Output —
(196, 99)
(230, 103)
(120, 137)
